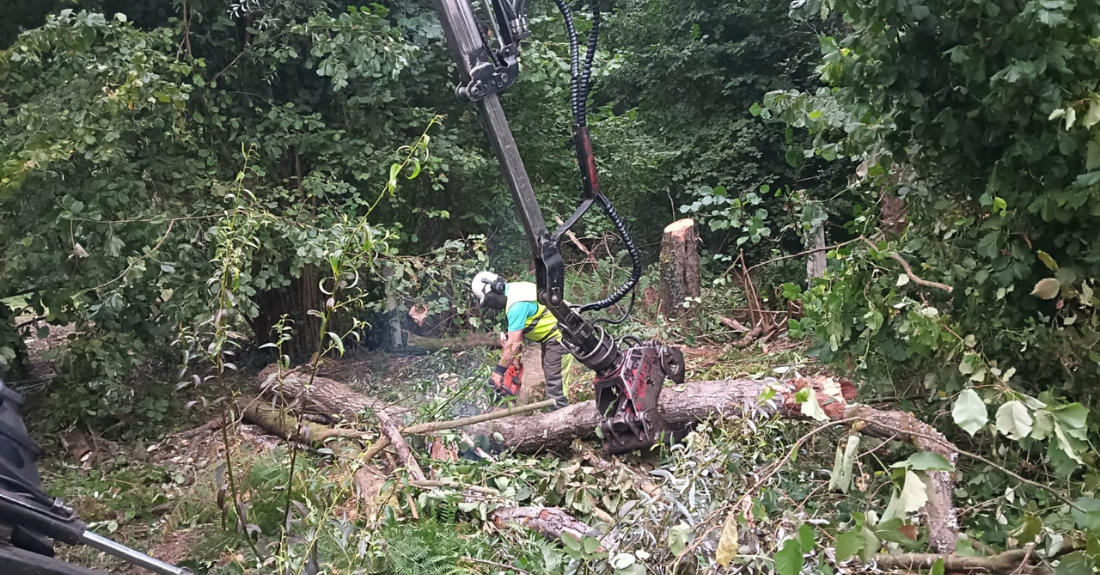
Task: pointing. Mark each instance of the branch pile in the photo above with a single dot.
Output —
(522, 431)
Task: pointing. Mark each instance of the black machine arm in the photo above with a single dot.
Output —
(628, 382)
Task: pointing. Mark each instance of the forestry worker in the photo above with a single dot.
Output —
(526, 318)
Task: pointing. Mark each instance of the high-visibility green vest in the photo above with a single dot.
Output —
(543, 325)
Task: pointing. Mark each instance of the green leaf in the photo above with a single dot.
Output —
(416, 170)
(623, 561)
(870, 544)
(788, 561)
(914, 493)
(925, 461)
(1076, 563)
(1092, 155)
(970, 412)
(678, 538)
(591, 544)
(848, 544)
(1089, 518)
(1092, 116)
(1047, 260)
(1043, 427)
(1046, 288)
(841, 478)
(1013, 420)
(937, 568)
(810, 407)
(806, 538)
(571, 541)
(1073, 417)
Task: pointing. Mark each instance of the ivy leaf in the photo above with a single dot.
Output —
(728, 544)
(1014, 421)
(969, 412)
(1046, 288)
(788, 561)
(848, 544)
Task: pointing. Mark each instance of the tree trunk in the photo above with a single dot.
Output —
(680, 271)
(458, 343)
(326, 396)
(685, 405)
(395, 337)
(815, 260)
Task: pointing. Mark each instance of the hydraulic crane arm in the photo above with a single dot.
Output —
(628, 382)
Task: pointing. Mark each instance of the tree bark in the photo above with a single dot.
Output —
(815, 260)
(396, 339)
(458, 343)
(699, 401)
(680, 270)
(325, 395)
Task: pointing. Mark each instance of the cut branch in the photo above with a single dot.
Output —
(1015, 561)
(909, 270)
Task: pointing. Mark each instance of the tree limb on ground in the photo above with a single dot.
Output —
(1007, 563)
(323, 395)
(693, 402)
(459, 343)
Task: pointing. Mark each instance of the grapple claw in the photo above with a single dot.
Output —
(628, 398)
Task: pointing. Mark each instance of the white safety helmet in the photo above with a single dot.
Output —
(488, 288)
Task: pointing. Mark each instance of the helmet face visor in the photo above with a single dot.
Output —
(494, 300)
(489, 289)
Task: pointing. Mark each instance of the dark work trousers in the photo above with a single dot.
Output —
(552, 353)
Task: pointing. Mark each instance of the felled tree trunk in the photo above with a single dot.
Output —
(703, 400)
(458, 343)
(324, 395)
(680, 271)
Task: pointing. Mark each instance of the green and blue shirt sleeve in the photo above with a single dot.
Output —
(518, 314)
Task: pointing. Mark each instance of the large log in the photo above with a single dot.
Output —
(457, 343)
(680, 270)
(323, 395)
(698, 401)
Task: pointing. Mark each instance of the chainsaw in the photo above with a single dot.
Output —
(629, 372)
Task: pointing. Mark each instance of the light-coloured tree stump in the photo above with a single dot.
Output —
(680, 269)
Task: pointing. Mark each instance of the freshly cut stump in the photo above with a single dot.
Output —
(680, 270)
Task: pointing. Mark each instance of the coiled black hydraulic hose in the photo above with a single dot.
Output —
(580, 85)
(590, 56)
(574, 61)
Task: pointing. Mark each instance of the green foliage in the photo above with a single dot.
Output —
(424, 548)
